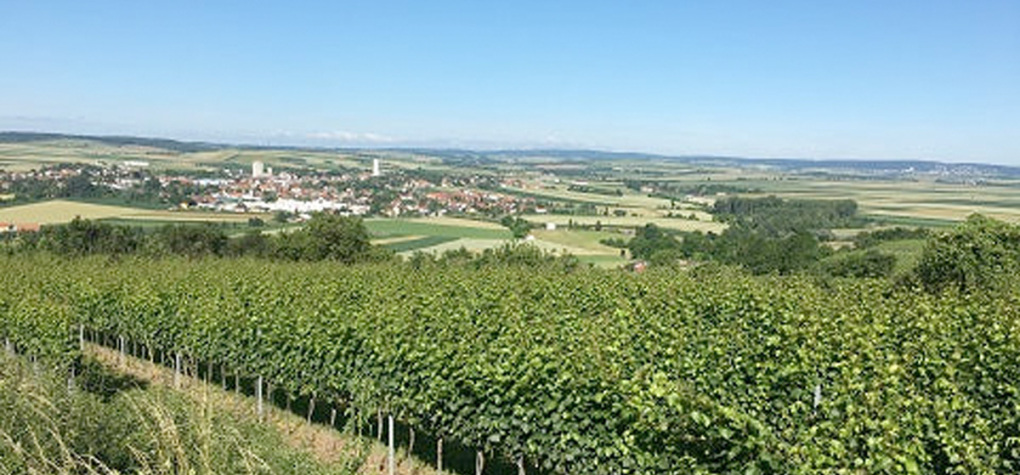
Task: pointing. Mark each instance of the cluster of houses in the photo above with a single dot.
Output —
(298, 193)
(18, 227)
(264, 191)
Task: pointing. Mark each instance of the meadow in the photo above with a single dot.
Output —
(923, 200)
(438, 235)
(63, 211)
(26, 156)
(676, 224)
(896, 201)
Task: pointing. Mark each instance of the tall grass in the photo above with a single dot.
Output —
(93, 428)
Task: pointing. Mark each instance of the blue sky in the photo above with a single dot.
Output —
(817, 79)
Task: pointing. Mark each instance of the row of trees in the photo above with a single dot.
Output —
(777, 217)
(85, 184)
(758, 253)
(980, 253)
(324, 237)
(767, 235)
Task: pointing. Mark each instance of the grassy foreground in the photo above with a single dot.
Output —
(112, 423)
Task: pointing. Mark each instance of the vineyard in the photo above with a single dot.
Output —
(581, 372)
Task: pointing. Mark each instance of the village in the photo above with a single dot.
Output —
(288, 194)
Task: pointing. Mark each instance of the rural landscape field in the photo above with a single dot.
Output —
(576, 314)
(492, 238)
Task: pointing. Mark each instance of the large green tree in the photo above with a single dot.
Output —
(977, 254)
(649, 240)
(327, 237)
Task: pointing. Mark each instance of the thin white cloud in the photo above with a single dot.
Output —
(348, 137)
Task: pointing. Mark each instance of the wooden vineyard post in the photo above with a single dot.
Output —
(818, 397)
(410, 441)
(479, 462)
(392, 452)
(258, 396)
(269, 394)
(362, 423)
(177, 370)
(71, 372)
(439, 454)
(520, 465)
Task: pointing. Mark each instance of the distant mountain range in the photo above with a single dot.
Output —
(828, 166)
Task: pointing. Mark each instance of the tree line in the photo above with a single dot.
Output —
(778, 217)
(323, 237)
(978, 254)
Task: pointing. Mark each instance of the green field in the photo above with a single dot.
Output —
(435, 235)
(62, 211)
(471, 244)
(605, 262)
(911, 221)
(382, 227)
(921, 201)
(438, 235)
(25, 156)
(583, 241)
(629, 199)
(417, 243)
(924, 200)
(676, 224)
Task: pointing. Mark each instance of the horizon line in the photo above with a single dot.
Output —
(505, 149)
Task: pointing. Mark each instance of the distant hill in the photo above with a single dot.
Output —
(891, 166)
(166, 144)
(832, 166)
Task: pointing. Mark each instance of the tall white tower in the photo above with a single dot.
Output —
(375, 167)
(257, 169)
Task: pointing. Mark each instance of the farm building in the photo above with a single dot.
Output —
(19, 227)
